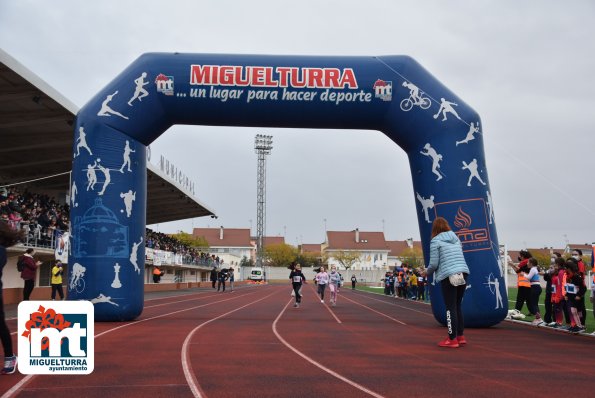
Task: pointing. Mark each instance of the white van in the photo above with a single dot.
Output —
(256, 274)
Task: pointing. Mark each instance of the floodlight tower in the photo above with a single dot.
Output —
(262, 146)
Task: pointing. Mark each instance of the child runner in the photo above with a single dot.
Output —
(575, 290)
(322, 280)
(335, 281)
(297, 278)
(533, 277)
(558, 293)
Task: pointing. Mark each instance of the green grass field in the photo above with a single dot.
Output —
(512, 292)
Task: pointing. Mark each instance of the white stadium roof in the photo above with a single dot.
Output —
(36, 137)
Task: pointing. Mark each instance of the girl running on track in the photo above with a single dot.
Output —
(322, 279)
(297, 278)
(335, 282)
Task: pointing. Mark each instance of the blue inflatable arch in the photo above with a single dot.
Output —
(393, 94)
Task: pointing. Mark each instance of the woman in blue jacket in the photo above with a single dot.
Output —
(448, 264)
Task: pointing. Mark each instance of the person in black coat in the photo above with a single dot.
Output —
(222, 276)
(213, 276)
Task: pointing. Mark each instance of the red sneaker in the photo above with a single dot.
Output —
(449, 343)
(461, 340)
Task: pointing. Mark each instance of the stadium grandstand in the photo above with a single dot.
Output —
(36, 130)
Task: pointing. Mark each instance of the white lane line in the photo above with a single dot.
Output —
(378, 312)
(156, 305)
(169, 313)
(327, 307)
(313, 362)
(26, 379)
(187, 366)
(396, 305)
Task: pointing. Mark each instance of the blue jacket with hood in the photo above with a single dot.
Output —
(446, 256)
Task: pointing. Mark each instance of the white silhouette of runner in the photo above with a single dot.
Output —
(436, 158)
(496, 284)
(490, 206)
(140, 92)
(104, 299)
(426, 204)
(106, 110)
(134, 255)
(127, 152)
(472, 167)
(413, 92)
(470, 136)
(82, 142)
(446, 107)
(128, 197)
(108, 178)
(73, 192)
(91, 176)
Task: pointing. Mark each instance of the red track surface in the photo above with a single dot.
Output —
(251, 343)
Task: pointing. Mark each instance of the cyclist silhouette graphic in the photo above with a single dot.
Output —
(415, 98)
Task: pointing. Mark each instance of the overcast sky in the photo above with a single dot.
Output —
(526, 68)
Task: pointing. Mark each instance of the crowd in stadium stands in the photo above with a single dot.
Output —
(39, 215)
(161, 241)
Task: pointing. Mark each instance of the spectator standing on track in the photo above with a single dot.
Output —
(523, 284)
(448, 262)
(8, 237)
(231, 278)
(221, 278)
(157, 274)
(322, 279)
(427, 290)
(534, 279)
(29, 272)
(413, 283)
(421, 288)
(334, 283)
(213, 276)
(297, 278)
(56, 281)
(386, 281)
(353, 281)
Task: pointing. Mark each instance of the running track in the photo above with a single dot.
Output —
(253, 343)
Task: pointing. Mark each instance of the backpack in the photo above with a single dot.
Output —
(21, 264)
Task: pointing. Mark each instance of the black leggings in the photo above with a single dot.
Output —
(4, 332)
(296, 290)
(321, 289)
(534, 302)
(453, 296)
(29, 285)
(57, 287)
(523, 294)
